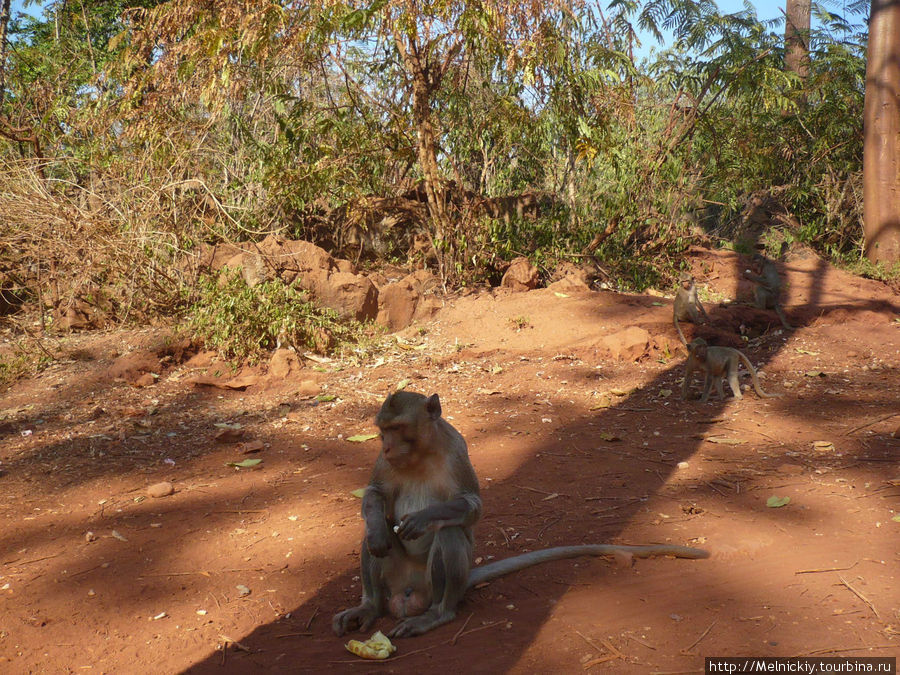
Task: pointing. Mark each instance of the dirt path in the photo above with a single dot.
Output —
(571, 446)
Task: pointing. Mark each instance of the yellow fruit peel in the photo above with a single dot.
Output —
(376, 647)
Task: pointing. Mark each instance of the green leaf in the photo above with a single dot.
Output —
(359, 493)
(325, 398)
(774, 502)
(896, 518)
(402, 384)
(246, 464)
(362, 438)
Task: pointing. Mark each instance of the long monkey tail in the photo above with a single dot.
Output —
(754, 377)
(680, 334)
(499, 568)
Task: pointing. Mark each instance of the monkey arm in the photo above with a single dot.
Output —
(378, 538)
(461, 511)
(756, 278)
(702, 310)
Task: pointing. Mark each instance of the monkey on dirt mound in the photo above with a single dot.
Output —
(419, 510)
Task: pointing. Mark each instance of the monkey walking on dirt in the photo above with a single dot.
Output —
(419, 510)
(717, 363)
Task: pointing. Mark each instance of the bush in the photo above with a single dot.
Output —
(243, 322)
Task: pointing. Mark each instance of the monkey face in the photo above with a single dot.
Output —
(398, 446)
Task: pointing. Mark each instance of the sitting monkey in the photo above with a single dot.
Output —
(687, 306)
(419, 509)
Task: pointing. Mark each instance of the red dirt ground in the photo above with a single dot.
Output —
(570, 447)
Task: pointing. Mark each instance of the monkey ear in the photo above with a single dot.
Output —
(433, 406)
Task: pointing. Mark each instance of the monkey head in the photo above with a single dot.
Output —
(697, 348)
(686, 279)
(757, 262)
(407, 422)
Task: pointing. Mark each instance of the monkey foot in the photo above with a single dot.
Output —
(361, 618)
(423, 623)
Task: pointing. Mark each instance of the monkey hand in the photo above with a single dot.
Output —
(378, 542)
(414, 525)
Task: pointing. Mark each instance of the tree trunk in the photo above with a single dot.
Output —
(424, 83)
(881, 145)
(796, 37)
(4, 24)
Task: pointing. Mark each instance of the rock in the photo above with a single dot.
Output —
(345, 266)
(303, 256)
(251, 447)
(144, 380)
(627, 345)
(229, 435)
(255, 269)
(239, 382)
(215, 256)
(284, 364)
(352, 296)
(308, 388)
(133, 366)
(570, 284)
(75, 316)
(163, 489)
(202, 359)
(397, 304)
(520, 276)
(569, 269)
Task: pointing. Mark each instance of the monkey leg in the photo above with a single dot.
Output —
(373, 598)
(762, 297)
(449, 561)
(733, 383)
(707, 385)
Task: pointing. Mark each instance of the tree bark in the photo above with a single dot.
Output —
(425, 81)
(881, 145)
(796, 37)
(4, 25)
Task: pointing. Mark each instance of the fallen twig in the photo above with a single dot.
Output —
(831, 650)
(309, 623)
(860, 596)
(612, 655)
(640, 642)
(459, 632)
(28, 562)
(827, 569)
(686, 650)
(868, 424)
(294, 635)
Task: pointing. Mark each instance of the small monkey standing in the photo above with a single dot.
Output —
(717, 363)
(687, 304)
(419, 509)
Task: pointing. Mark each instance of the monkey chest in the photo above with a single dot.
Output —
(412, 501)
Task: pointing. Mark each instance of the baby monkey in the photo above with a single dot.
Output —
(767, 291)
(687, 306)
(717, 363)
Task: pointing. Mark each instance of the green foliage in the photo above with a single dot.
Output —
(243, 322)
(279, 113)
